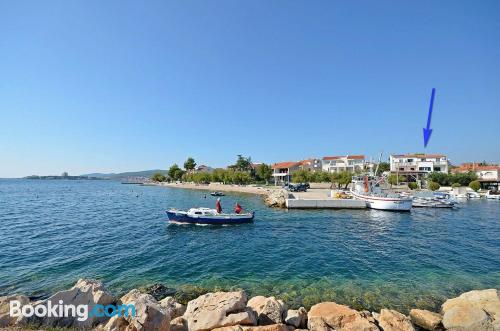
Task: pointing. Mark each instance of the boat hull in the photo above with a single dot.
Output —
(385, 203)
(183, 217)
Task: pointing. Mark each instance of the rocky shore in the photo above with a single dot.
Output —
(234, 311)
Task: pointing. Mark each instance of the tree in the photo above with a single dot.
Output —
(190, 164)
(440, 177)
(301, 176)
(463, 179)
(345, 178)
(243, 163)
(383, 166)
(175, 173)
(394, 179)
(412, 186)
(475, 185)
(264, 172)
(433, 186)
(158, 177)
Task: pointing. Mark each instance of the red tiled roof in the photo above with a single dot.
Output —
(349, 157)
(288, 164)
(471, 167)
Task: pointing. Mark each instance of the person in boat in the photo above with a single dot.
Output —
(237, 208)
(218, 207)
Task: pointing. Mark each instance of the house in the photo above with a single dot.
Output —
(351, 163)
(487, 175)
(417, 165)
(313, 165)
(282, 171)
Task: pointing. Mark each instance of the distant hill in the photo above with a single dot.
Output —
(122, 175)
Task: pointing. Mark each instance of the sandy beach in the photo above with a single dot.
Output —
(252, 189)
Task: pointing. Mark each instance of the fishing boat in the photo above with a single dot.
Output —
(368, 188)
(208, 216)
(492, 195)
(217, 194)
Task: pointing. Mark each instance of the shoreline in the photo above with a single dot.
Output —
(159, 308)
(250, 189)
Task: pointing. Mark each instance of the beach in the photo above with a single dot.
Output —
(213, 187)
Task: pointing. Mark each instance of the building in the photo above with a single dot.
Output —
(487, 175)
(418, 165)
(313, 165)
(282, 171)
(351, 163)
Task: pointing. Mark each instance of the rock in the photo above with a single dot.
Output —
(276, 198)
(427, 320)
(85, 293)
(326, 316)
(115, 323)
(150, 315)
(174, 308)
(229, 328)
(474, 310)
(5, 318)
(296, 318)
(214, 310)
(271, 327)
(391, 320)
(268, 310)
(158, 291)
(178, 324)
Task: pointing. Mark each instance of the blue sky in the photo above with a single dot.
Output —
(93, 86)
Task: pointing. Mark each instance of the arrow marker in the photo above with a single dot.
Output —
(428, 130)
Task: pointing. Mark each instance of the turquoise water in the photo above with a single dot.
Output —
(54, 232)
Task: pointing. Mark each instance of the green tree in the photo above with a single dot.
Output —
(345, 178)
(264, 172)
(243, 163)
(433, 186)
(475, 185)
(218, 175)
(412, 186)
(190, 164)
(383, 166)
(395, 179)
(440, 177)
(175, 173)
(463, 179)
(301, 176)
(158, 177)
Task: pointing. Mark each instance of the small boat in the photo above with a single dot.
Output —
(368, 188)
(208, 216)
(217, 194)
(473, 195)
(493, 195)
(421, 202)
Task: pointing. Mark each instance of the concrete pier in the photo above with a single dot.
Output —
(325, 204)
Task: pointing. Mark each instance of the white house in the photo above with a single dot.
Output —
(351, 163)
(282, 171)
(418, 163)
(487, 175)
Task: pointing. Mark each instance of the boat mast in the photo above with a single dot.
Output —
(378, 164)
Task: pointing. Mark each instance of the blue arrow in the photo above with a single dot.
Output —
(428, 130)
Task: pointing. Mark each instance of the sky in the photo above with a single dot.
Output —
(111, 86)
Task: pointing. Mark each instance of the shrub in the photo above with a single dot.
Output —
(475, 185)
(158, 177)
(455, 185)
(433, 186)
(412, 186)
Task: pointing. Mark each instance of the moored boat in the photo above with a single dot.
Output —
(217, 194)
(208, 216)
(492, 195)
(368, 188)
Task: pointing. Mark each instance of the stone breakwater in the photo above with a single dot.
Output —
(234, 311)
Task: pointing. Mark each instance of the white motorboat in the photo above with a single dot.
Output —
(473, 195)
(493, 195)
(432, 200)
(368, 188)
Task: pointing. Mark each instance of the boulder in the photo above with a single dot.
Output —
(472, 310)
(5, 318)
(427, 320)
(84, 295)
(271, 327)
(391, 320)
(158, 291)
(326, 316)
(150, 315)
(276, 198)
(268, 310)
(215, 310)
(174, 308)
(178, 324)
(297, 318)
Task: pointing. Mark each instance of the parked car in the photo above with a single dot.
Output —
(292, 187)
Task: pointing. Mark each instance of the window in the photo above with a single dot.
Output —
(401, 169)
(424, 168)
(410, 160)
(437, 168)
(412, 169)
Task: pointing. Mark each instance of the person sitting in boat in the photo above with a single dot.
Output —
(218, 207)
(237, 208)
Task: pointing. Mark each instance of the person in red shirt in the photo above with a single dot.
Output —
(218, 207)
(237, 208)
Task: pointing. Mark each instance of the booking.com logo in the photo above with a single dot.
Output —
(81, 312)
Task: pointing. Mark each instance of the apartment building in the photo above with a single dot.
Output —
(418, 164)
(351, 163)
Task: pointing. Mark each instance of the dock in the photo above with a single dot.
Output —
(319, 199)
